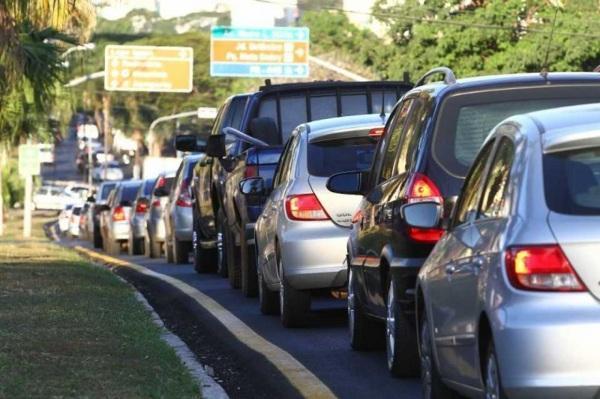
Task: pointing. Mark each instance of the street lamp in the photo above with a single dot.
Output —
(82, 47)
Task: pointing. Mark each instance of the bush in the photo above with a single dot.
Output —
(13, 186)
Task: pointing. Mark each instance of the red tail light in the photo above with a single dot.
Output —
(185, 198)
(541, 268)
(251, 171)
(118, 214)
(156, 203)
(376, 132)
(161, 182)
(421, 188)
(305, 207)
(141, 207)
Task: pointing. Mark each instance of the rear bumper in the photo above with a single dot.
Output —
(548, 348)
(313, 255)
(120, 231)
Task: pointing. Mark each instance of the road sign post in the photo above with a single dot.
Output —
(29, 165)
(148, 68)
(259, 52)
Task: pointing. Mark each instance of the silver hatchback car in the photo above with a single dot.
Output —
(302, 232)
(508, 302)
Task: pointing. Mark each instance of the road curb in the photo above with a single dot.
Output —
(302, 379)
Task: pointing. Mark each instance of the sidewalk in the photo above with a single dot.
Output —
(70, 329)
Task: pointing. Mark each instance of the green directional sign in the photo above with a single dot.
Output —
(29, 160)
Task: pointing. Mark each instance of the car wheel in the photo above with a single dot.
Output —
(493, 383)
(181, 251)
(401, 343)
(248, 267)
(431, 382)
(221, 253)
(268, 300)
(365, 333)
(205, 259)
(294, 304)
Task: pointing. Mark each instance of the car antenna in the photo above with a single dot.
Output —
(545, 68)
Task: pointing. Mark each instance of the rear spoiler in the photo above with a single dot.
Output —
(554, 143)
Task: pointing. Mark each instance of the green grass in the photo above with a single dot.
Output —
(71, 329)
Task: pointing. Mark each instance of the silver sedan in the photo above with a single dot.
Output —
(508, 302)
(302, 232)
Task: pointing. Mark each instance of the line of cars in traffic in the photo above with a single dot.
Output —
(469, 255)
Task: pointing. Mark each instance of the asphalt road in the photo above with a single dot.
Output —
(322, 347)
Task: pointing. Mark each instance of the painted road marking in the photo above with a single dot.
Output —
(308, 384)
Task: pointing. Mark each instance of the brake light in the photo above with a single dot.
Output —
(118, 214)
(141, 207)
(251, 171)
(156, 203)
(161, 182)
(541, 268)
(304, 207)
(184, 199)
(422, 188)
(376, 132)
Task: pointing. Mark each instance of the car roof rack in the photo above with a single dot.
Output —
(449, 77)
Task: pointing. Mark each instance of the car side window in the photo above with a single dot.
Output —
(391, 141)
(281, 168)
(410, 137)
(494, 203)
(291, 155)
(466, 208)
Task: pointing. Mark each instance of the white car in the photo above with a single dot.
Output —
(78, 191)
(74, 220)
(64, 218)
(113, 172)
(50, 198)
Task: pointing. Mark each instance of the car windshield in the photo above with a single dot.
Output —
(330, 157)
(468, 119)
(572, 182)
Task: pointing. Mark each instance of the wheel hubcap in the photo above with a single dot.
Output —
(351, 304)
(390, 326)
(492, 380)
(426, 359)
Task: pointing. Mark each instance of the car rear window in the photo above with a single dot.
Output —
(572, 182)
(324, 104)
(327, 158)
(129, 193)
(106, 189)
(76, 211)
(467, 119)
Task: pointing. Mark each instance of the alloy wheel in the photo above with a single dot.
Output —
(390, 325)
(426, 359)
(492, 378)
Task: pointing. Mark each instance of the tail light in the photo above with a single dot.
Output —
(184, 199)
(251, 171)
(118, 214)
(141, 207)
(305, 207)
(376, 132)
(421, 188)
(541, 268)
(156, 203)
(161, 182)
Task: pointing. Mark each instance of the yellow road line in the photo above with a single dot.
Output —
(308, 384)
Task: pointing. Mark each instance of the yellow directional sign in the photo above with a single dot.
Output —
(148, 68)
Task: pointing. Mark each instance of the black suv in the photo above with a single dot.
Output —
(270, 115)
(429, 143)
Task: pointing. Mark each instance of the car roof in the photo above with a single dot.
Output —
(438, 88)
(326, 128)
(331, 84)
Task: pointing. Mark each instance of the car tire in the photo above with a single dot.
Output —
(97, 238)
(234, 270)
(181, 251)
(294, 304)
(432, 385)
(138, 246)
(491, 374)
(267, 299)
(365, 333)
(400, 337)
(221, 252)
(205, 259)
(249, 277)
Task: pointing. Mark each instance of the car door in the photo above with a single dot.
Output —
(454, 250)
(469, 273)
(268, 225)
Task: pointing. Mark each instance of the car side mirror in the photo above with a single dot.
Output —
(354, 182)
(422, 215)
(188, 143)
(252, 186)
(215, 146)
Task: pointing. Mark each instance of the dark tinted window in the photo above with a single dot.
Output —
(354, 104)
(330, 157)
(76, 211)
(238, 105)
(467, 119)
(391, 140)
(169, 183)
(106, 189)
(468, 202)
(494, 204)
(389, 98)
(293, 113)
(410, 138)
(572, 182)
(129, 193)
(323, 106)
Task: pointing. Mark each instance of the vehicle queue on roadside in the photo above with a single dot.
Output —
(460, 216)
